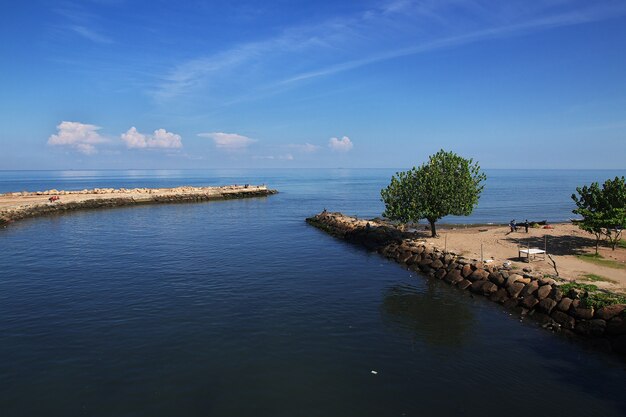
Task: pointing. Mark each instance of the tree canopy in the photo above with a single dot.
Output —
(603, 209)
(447, 184)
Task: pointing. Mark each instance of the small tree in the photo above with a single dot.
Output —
(446, 184)
(603, 209)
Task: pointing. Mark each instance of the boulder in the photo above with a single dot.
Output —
(467, 270)
(530, 288)
(464, 284)
(546, 281)
(546, 305)
(453, 277)
(440, 273)
(479, 275)
(496, 278)
(565, 320)
(477, 286)
(529, 301)
(592, 328)
(437, 264)
(608, 312)
(489, 288)
(500, 296)
(582, 312)
(564, 304)
(513, 278)
(556, 293)
(544, 291)
(514, 289)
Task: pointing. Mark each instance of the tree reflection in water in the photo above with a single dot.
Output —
(431, 315)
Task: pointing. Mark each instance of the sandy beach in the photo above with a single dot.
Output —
(564, 241)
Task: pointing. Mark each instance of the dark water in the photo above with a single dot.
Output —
(239, 308)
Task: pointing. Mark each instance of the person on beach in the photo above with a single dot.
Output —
(513, 226)
(526, 225)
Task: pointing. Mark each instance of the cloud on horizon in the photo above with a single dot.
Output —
(228, 141)
(159, 139)
(304, 148)
(78, 136)
(340, 145)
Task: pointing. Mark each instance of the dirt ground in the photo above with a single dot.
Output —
(564, 242)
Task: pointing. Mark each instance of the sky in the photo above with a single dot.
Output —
(122, 84)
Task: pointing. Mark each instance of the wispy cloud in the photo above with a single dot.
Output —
(81, 137)
(228, 141)
(90, 34)
(396, 29)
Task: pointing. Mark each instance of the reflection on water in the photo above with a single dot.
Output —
(428, 315)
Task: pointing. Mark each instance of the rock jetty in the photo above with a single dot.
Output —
(542, 298)
(21, 205)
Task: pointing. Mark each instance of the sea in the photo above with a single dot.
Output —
(239, 308)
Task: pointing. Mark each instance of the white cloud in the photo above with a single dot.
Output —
(80, 136)
(91, 34)
(342, 145)
(159, 139)
(306, 148)
(228, 141)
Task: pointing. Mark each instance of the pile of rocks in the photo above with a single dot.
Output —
(176, 190)
(526, 293)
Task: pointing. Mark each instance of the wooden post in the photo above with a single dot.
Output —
(445, 244)
(481, 251)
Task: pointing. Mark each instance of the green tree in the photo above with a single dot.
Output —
(603, 209)
(446, 184)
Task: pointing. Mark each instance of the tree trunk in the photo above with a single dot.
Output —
(433, 228)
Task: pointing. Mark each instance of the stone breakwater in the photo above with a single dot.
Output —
(21, 205)
(524, 292)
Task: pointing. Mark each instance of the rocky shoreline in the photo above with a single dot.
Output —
(21, 205)
(553, 304)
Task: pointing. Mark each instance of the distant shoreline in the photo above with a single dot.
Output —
(21, 205)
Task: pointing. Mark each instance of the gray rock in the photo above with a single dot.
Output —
(500, 296)
(546, 305)
(489, 288)
(440, 273)
(593, 327)
(565, 320)
(479, 275)
(467, 270)
(496, 278)
(464, 284)
(530, 301)
(582, 312)
(564, 304)
(546, 281)
(530, 288)
(608, 312)
(514, 289)
(453, 277)
(477, 286)
(437, 264)
(544, 291)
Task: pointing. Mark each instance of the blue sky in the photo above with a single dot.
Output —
(213, 84)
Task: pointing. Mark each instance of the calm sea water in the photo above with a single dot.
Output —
(239, 308)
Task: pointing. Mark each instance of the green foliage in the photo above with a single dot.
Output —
(446, 185)
(576, 285)
(597, 278)
(599, 260)
(593, 297)
(603, 209)
(602, 299)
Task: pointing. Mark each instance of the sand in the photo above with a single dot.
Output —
(565, 242)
